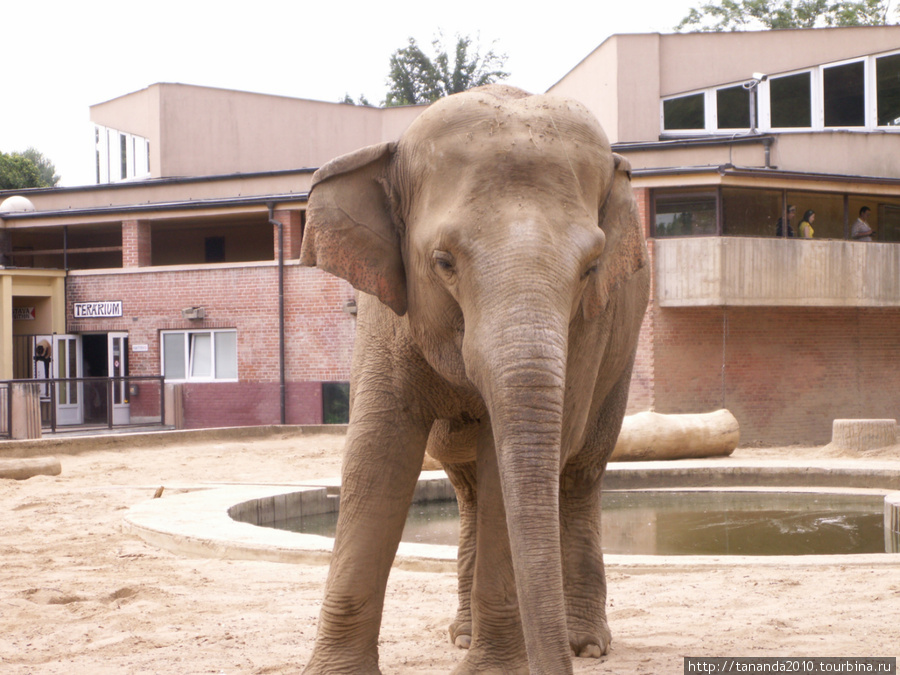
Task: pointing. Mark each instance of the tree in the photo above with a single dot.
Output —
(27, 169)
(49, 177)
(17, 172)
(417, 78)
(362, 100)
(775, 14)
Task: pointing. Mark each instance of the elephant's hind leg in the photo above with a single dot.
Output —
(462, 477)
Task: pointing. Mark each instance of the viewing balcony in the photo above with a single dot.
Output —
(769, 272)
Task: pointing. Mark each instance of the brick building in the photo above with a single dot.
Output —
(171, 261)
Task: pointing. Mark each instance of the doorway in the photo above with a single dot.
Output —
(105, 355)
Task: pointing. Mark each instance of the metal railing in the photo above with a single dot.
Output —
(95, 399)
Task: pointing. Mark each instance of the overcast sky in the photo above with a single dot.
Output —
(62, 56)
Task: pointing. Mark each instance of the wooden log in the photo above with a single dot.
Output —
(20, 469)
(654, 436)
(863, 434)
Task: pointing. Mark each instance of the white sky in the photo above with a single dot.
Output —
(61, 56)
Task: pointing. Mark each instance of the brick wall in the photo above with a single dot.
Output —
(236, 404)
(319, 334)
(785, 373)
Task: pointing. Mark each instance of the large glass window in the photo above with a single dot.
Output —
(685, 215)
(199, 355)
(733, 108)
(844, 95)
(751, 213)
(889, 223)
(887, 76)
(790, 101)
(685, 112)
(828, 210)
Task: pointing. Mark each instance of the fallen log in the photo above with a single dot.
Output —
(20, 469)
(654, 436)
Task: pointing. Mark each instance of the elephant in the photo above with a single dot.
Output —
(502, 276)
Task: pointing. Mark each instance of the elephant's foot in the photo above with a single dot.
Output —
(461, 632)
(341, 664)
(590, 645)
(476, 663)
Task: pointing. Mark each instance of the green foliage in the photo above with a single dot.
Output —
(17, 172)
(776, 14)
(417, 78)
(361, 101)
(29, 169)
(49, 177)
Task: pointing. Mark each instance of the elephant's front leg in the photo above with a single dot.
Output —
(462, 477)
(579, 513)
(583, 571)
(382, 459)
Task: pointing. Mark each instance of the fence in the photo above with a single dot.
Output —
(89, 402)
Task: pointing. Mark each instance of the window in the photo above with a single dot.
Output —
(199, 355)
(790, 101)
(887, 76)
(123, 155)
(214, 249)
(733, 108)
(685, 112)
(335, 402)
(751, 213)
(844, 95)
(685, 215)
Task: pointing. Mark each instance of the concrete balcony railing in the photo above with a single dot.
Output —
(715, 271)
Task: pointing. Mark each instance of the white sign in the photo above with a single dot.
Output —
(23, 313)
(98, 310)
(140, 348)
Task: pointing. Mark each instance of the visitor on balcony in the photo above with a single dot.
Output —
(779, 228)
(861, 230)
(806, 229)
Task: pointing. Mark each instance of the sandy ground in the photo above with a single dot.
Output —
(78, 594)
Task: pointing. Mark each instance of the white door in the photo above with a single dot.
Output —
(66, 363)
(118, 368)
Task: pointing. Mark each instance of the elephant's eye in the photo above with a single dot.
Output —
(443, 261)
(591, 269)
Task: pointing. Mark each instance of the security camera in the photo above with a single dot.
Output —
(760, 77)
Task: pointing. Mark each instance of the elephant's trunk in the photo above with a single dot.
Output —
(521, 375)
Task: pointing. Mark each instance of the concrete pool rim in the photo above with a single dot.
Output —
(198, 520)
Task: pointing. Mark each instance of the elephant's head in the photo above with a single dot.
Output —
(501, 225)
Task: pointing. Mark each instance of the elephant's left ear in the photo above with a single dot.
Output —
(626, 251)
(350, 229)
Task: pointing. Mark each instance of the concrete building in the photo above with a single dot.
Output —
(175, 252)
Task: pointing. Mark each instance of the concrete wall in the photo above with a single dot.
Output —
(697, 271)
(196, 131)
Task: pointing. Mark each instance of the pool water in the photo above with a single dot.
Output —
(690, 523)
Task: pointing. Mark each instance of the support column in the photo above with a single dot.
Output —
(6, 331)
(136, 244)
(292, 221)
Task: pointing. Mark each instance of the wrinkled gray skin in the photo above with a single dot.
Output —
(504, 279)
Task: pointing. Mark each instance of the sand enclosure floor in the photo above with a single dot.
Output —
(79, 594)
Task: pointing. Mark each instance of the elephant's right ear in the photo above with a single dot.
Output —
(350, 230)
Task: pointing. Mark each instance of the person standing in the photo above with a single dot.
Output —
(779, 230)
(806, 229)
(861, 231)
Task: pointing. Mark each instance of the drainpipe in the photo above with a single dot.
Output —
(281, 378)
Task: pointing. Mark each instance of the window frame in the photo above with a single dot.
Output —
(189, 352)
(763, 101)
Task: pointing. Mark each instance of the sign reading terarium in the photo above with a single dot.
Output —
(98, 310)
